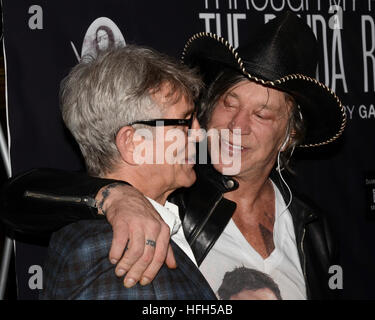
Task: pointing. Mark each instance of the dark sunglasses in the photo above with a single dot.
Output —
(166, 122)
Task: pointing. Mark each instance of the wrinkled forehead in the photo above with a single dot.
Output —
(247, 91)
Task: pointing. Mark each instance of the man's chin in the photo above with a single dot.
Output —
(227, 170)
(189, 177)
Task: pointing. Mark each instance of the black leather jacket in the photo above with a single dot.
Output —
(42, 201)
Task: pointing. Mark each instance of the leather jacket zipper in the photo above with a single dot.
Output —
(54, 198)
(303, 257)
(202, 225)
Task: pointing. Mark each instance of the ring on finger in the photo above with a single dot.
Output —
(151, 243)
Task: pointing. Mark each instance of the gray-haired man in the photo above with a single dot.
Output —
(103, 103)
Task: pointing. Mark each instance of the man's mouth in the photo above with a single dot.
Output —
(232, 147)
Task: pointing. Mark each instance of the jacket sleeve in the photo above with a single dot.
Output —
(41, 201)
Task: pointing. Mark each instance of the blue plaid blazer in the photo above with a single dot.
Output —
(77, 267)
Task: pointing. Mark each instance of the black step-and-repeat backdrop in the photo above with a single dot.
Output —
(44, 39)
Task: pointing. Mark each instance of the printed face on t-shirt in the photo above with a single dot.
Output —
(260, 294)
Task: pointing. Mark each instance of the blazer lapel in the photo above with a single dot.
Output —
(191, 271)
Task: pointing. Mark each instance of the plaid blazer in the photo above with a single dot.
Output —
(77, 267)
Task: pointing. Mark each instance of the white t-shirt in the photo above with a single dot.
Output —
(232, 251)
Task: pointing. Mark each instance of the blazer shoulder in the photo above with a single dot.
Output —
(77, 254)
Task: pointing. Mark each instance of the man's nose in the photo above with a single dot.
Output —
(241, 120)
(195, 132)
(195, 124)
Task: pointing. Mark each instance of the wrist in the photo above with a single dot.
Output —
(107, 194)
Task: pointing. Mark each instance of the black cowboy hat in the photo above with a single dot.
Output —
(282, 55)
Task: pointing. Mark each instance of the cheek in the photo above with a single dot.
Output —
(266, 133)
(219, 118)
(268, 139)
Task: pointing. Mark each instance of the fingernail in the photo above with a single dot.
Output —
(144, 281)
(120, 272)
(113, 261)
(129, 283)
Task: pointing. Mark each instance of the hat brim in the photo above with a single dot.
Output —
(323, 113)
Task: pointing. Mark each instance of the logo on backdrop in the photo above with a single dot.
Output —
(101, 35)
(227, 17)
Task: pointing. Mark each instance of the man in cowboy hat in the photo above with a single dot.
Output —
(268, 91)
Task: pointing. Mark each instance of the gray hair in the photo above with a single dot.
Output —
(104, 94)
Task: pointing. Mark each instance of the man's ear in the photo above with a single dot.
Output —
(288, 140)
(291, 136)
(125, 144)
